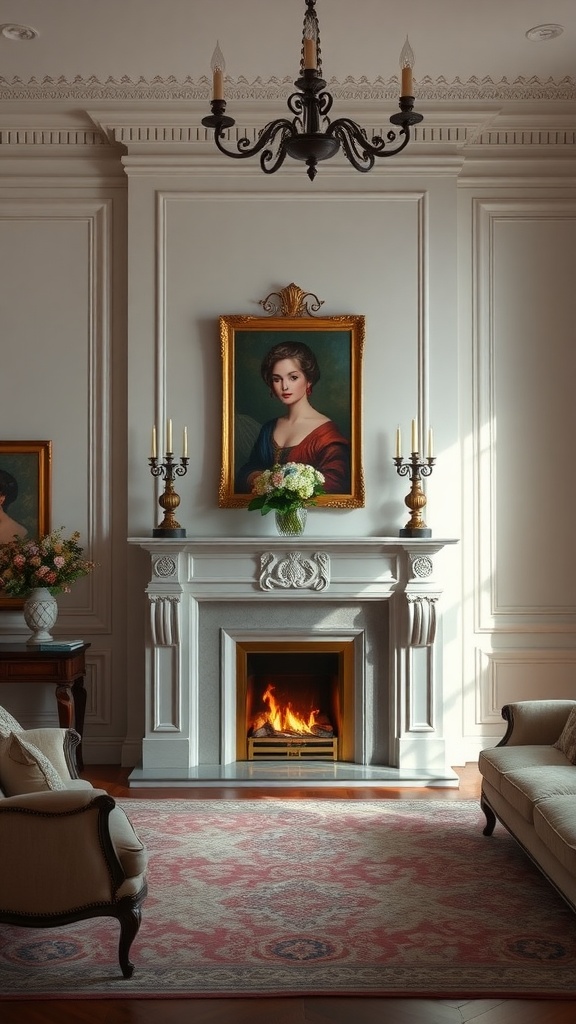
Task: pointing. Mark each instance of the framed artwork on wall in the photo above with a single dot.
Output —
(270, 365)
(25, 494)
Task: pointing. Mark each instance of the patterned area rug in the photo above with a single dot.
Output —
(302, 897)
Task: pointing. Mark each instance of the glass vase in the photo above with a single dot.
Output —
(291, 523)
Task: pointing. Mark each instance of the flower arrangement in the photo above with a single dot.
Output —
(53, 561)
(286, 488)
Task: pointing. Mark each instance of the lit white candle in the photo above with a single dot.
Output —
(398, 443)
(185, 443)
(169, 436)
(414, 435)
(430, 443)
(153, 450)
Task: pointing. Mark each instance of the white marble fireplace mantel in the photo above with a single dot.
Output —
(206, 594)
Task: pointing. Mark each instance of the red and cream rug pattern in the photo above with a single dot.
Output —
(303, 897)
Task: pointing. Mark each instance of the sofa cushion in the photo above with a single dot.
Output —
(566, 741)
(8, 724)
(528, 786)
(496, 761)
(555, 823)
(24, 768)
(50, 742)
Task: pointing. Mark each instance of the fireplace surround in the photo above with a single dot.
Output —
(211, 601)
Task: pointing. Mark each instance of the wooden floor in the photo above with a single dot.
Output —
(305, 1010)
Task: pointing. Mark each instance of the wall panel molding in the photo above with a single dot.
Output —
(88, 609)
(518, 674)
(492, 612)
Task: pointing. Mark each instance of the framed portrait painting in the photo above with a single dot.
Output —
(292, 392)
(25, 479)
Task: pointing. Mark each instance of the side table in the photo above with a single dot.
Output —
(64, 669)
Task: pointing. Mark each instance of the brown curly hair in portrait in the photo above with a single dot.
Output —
(296, 350)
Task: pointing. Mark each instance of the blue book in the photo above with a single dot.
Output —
(60, 645)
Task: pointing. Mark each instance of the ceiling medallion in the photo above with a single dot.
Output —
(541, 33)
(19, 33)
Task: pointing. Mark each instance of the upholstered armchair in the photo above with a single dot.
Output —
(69, 852)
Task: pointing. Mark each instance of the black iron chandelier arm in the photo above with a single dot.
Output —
(360, 151)
(272, 136)
(310, 107)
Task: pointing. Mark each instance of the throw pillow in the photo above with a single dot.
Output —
(24, 768)
(8, 724)
(566, 741)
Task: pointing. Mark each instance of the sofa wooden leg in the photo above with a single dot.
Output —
(490, 818)
(130, 920)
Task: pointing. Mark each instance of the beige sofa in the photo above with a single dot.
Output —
(69, 851)
(529, 784)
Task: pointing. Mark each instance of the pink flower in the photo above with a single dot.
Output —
(59, 561)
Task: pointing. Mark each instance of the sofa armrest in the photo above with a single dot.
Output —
(535, 721)
(59, 852)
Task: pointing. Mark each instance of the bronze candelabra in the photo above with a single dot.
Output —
(169, 500)
(415, 468)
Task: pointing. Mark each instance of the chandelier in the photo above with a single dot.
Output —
(310, 135)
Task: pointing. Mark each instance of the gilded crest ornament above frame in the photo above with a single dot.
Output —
(292, 359)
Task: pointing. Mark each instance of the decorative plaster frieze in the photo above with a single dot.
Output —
(474, 89)
(52, 137)
(297, 571)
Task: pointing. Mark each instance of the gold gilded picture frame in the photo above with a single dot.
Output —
(25, 487)
(250, 407)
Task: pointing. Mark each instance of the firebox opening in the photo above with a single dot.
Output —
(292, 703)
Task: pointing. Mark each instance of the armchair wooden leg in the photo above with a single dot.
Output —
(130, 920)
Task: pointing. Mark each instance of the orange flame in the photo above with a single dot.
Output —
(284, 718)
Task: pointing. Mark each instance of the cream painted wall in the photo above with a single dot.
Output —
(114, 273)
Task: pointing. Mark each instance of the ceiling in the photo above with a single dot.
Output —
(466, 41)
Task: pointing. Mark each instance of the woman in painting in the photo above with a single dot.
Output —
(301, 434)
(9, 528)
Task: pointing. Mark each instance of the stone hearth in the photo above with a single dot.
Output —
(206, 596)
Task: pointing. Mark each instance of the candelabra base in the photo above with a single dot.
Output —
(160, 531)
(411, 531)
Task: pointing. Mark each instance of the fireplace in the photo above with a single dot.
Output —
(358, 616)
(295, 699)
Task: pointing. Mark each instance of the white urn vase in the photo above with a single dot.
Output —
(40, 614)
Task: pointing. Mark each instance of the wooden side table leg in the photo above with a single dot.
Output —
(65, 706)
(79, 696)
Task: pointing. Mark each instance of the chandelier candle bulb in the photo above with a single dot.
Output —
(185, 443)
(406, 65)
(218, 67)
(414, 435)
(153, 450)
(398, 443)
(169, 436)
(309, 55)
(430, 443)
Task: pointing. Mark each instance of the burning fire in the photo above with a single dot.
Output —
(282, 718)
